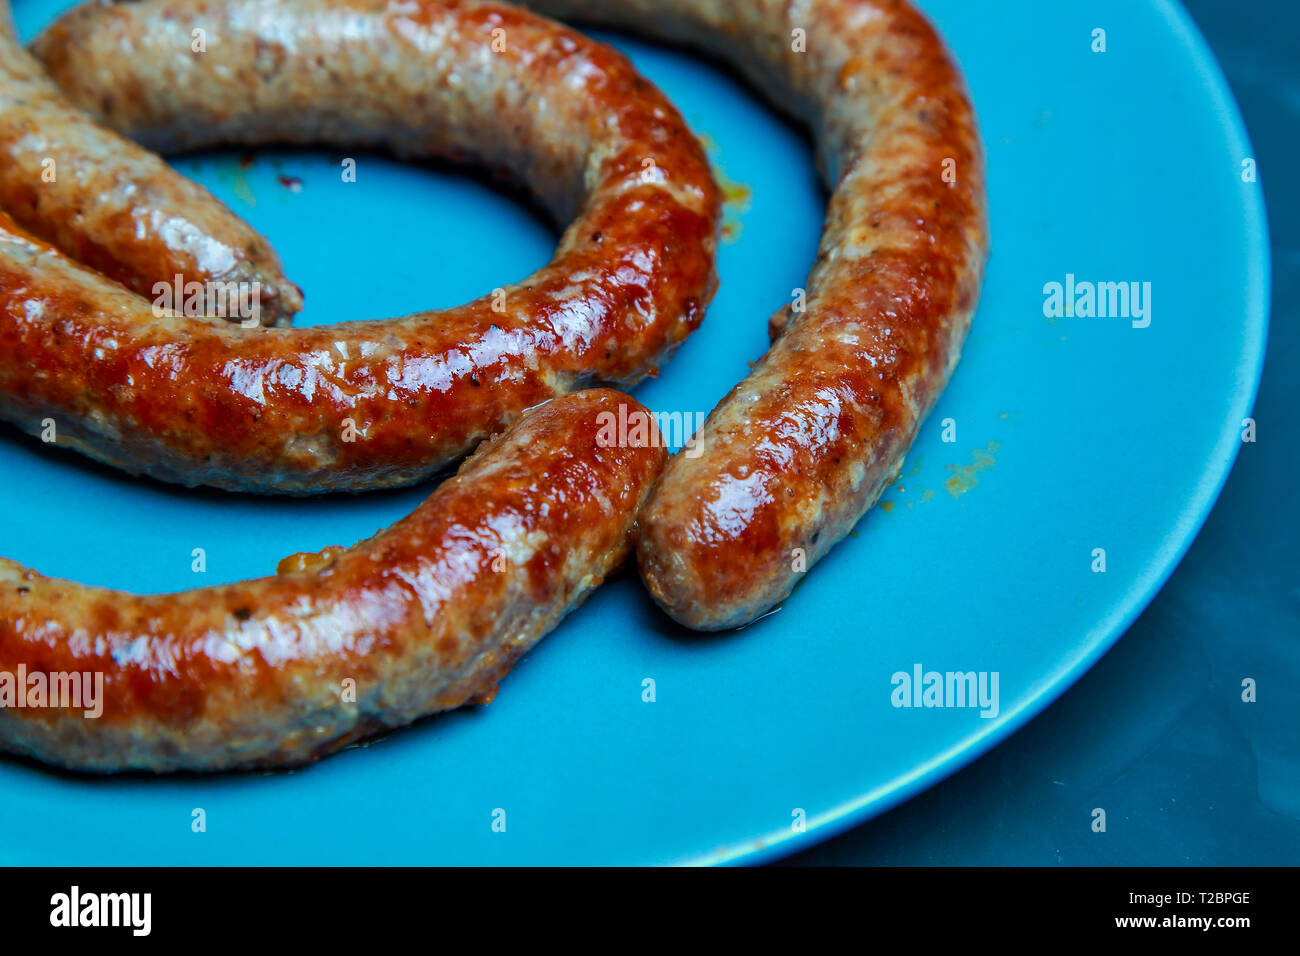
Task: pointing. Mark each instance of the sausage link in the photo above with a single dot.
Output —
(114, 206)
(381, 403)
(799, 450)
(423, 617)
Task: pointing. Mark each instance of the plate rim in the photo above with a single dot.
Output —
(1177, 539)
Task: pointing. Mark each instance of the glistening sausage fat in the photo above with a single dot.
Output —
(387, 402)
(423, 617)
(799, 450)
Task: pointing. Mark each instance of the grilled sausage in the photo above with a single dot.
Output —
(799, 450)
(387, 402)
(421, 618)
(117, 207)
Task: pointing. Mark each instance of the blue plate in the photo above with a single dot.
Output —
(1070, 434)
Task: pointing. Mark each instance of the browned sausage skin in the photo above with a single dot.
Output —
(421, 618)
(114, 206)
(367, 404)
(800, 449)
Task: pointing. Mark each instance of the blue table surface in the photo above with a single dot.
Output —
(1157, 734)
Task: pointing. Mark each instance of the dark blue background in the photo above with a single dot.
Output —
(1157, 734)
